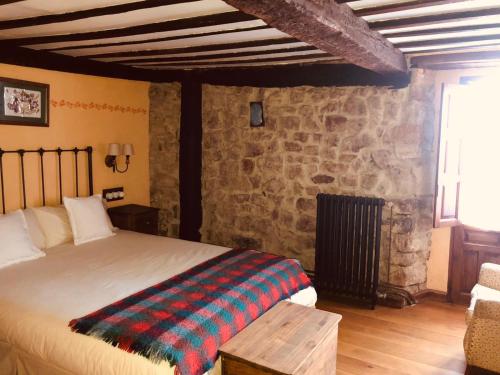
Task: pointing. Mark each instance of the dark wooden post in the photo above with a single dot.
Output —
(190, 161)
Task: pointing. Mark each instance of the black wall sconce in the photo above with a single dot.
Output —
(115, 150)
(256, 114)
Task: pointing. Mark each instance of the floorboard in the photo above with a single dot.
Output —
(425, 339)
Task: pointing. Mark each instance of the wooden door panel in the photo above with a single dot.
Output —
(470, 271)
(470, 248)
(448, 170)
(488, 257)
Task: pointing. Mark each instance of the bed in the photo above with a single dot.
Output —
(38, 298)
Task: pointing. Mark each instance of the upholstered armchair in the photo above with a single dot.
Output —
(482, 339)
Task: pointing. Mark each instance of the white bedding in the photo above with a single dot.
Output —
(39, 298)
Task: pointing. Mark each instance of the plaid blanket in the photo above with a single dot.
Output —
(185, 319)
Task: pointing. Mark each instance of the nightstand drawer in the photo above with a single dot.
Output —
(147, 223)
(136, 218)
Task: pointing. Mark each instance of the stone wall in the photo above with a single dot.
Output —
(164, 124)
(259, 184)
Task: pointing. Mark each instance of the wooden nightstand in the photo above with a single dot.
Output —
(134, 217)
(288, 339)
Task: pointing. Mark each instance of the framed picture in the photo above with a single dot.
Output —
(24, 102)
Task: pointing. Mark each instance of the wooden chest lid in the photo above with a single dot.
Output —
(283, 338)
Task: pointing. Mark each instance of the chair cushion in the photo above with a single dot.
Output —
(481, 292)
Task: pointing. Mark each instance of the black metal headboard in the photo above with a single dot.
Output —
(41, 152)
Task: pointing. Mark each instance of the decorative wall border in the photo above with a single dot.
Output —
(97, 106)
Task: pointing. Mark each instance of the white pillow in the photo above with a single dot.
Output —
(54, 222)
(16, 245)
(34, 229)
(88, 218)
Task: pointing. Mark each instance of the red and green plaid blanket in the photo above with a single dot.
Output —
(185, 319)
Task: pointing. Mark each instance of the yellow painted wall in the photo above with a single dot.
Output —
(437, 265)
(84, 111)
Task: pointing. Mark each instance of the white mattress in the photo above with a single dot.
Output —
(39, 298)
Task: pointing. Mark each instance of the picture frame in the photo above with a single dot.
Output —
(24, 103)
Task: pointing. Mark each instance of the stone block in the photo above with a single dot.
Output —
(335, 123)
(406, 276)
(311, 150)
(301, 137)
(322, 179)
(294, 171)
(306, 223)
(349, 181)
(243, 242)
(253, 149)
(290, 122)
(355, 106)
(306, 204)
(293, 147)
(247, 166)
(369, 181)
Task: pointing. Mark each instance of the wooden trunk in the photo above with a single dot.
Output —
(289, 339)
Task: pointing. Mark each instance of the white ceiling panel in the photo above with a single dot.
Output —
(36, 8)
(450, 45)
(436, 9)
(457, 34)
(442, 25)
(122, 20)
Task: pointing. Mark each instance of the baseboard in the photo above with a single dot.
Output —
(431, 295)
(473, 370)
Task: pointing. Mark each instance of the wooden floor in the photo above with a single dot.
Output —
(423, 339)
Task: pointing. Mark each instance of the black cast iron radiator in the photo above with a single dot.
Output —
(348, 246)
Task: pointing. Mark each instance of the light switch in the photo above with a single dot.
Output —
(113, 194)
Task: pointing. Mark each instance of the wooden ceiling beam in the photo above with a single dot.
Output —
(203, 48)
(462, 57)
(47, 60)
(87, 13)
(175, 58)
(6, 2)
(398, 6)
(321, 75)
(433, 19)
(330, 27)
(248, 60)
(464, 65)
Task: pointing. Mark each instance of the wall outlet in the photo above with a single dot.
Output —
(113, 194)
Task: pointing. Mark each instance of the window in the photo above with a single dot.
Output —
(468, 182)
